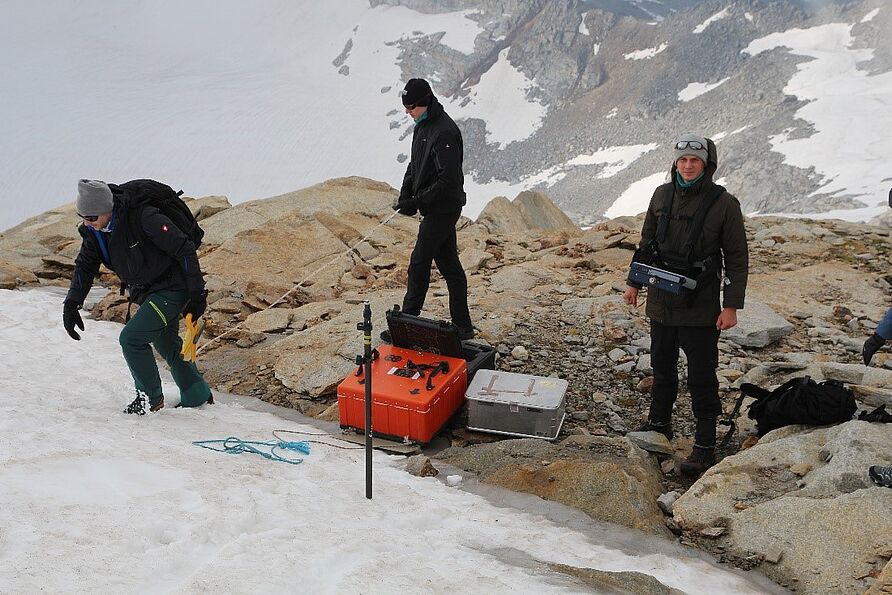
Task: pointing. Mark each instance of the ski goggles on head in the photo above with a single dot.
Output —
(89, 218)
(690, 144)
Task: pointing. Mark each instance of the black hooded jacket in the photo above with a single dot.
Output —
(723, 236)
(434, 180)
(160, 258)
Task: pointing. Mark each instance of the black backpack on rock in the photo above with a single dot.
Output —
(161, 196)
(799, 401)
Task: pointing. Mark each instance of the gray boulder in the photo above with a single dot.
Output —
(758, 326)
(805, 493)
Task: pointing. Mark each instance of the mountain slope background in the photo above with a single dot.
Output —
(575, 98)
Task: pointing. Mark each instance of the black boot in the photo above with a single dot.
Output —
(137, 406)
(698, 461)
(882, 476)
(663, 428)
(871, 346)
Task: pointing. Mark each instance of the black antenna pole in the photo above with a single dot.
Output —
(366, 327)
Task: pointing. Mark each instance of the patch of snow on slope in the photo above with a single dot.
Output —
(717, 16)
(646, 54)
(97, 501)
(614, 160)
(697, 89)
(850, 147)
(636, 197)
(500, 100)
(212, 96)
(870, 15)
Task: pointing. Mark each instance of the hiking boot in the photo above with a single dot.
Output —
(137, 406)
(159, 404)
(698, 461)
(664, 429)
(210, 401)
(465, 334)
(882, 476)
(871, 346)
(385, 336)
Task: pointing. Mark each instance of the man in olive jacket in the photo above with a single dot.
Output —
(718, 259)
(434, 186)
(160, 270)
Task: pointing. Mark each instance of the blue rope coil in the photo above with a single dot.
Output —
(237, 446)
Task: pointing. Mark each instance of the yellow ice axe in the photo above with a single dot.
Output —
(190, 340)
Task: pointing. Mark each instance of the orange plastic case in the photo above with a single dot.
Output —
(403, 407)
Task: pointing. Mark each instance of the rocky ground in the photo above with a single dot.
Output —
(547, 296)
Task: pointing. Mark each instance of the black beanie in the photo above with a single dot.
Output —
(417, 92)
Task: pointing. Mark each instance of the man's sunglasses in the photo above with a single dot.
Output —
(411, 106)
(89, 218)
(690, 144)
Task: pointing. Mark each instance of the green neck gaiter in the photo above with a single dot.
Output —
(683, 184)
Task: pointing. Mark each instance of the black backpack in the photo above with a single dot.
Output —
(161, 196)
(799, 401)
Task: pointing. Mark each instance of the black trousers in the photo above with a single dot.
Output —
(701, 345)
(437, 243)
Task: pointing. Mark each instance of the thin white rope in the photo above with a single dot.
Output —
(297, 286)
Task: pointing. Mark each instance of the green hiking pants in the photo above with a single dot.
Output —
(157, 322)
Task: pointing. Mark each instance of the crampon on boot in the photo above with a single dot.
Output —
(137, 406)
(882, 476)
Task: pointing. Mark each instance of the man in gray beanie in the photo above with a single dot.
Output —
(158, 265)
(94, 197)
(693, 228)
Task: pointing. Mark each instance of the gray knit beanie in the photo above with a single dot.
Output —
(690, 144)
(94, 197)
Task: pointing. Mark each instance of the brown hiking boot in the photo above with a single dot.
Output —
(159, 404)
(698, 461)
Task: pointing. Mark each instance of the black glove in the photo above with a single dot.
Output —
(197, 304)
(71, 317)
(871, 346)
(406, 207)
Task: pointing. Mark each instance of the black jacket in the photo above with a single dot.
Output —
(148, 253)
(723, 235)
(434, 180)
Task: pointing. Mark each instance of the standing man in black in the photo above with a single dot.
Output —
(434, 186)
(693, 227)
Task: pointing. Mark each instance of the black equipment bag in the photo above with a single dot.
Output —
(799, 401)
(658, 278)
(166, 200)
(439, 337)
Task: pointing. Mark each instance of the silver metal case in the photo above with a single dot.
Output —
(516, 404)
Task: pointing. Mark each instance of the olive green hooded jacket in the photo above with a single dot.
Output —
(723, 235)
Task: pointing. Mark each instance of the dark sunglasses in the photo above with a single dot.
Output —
(690, 144)
(411, 106)
(89, 218)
